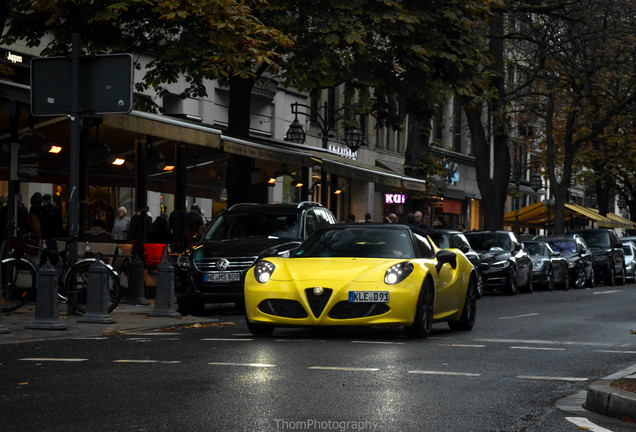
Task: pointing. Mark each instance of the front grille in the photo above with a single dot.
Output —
(317, 303)
(235, 263)
(346, 310)
(283, 308)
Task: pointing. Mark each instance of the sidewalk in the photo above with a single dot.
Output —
(127, 318)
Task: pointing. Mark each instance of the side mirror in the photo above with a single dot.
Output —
(445, 256)
(464, 248)
(269, 252)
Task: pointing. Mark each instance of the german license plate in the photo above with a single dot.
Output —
(368, 296)
(222, 277)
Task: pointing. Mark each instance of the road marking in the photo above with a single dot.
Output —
(50, 359)
(378, 342)
(519, 316)
(152, 333)
(550, 378)
(227, 339)
(429, 372)
(140, 339)
(585, 424)
(607, 292)
(91, 338)
(343, 368)
(463, 345)
(147, 361)
(617, 352)
(545, 342)
(300, 340)
(537, 348)
(262, 365)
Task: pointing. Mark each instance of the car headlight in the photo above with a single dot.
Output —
(397, 273)
(537, 265)
(500, 264)
(263, 271)
(183, 262)
(572, 264)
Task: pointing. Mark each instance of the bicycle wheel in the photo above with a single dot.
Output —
(19, 279)
(76, 285)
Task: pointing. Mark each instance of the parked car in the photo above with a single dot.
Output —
(449, 239)
(629, 248)
(505, 263)
(609, 258)
(213, 270)
(579, 257)
(549, 268)
(362, 275)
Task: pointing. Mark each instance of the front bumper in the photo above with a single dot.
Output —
(496, 278)
(190, 285)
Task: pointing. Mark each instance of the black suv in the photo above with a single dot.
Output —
(609, 257)
(213, 270)
(505, 263)
(447, 239)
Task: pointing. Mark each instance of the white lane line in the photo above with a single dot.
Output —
(550, 378)
(463, 345)
(261, 365)
(585, 424)
(607, 292)
(91, 338)
(544, 342)
(227, 339)
(152, 333)
(431, 372)
(300, 340)
(343, 368)
(519, 316)
(378, 342)
(143, 361)
(616, 352)
(537, 348)
(140, 339)
(51, 359)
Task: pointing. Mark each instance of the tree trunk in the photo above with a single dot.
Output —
(493, 190)
(238, 181)
(416, 146)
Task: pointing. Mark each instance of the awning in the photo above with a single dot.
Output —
(165, 127)
(536, 216)
(264, 151)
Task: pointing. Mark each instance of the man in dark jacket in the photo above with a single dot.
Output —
(50, 224)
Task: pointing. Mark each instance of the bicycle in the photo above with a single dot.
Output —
(19, 276)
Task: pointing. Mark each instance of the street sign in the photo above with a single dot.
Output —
(106, 85)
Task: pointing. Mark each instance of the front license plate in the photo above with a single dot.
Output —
(368, 296)
(222, 277)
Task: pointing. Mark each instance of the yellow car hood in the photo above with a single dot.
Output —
(332, 269)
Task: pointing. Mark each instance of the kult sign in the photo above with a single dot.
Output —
(394, 198)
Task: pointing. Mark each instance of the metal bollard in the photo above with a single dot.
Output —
(46, 304)
(97, 296)
(136, 284)
(164, 297)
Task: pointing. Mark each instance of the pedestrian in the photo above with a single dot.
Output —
(97, 233)
(439, 223)
(367, 218)
(411, 221)
(419, 220)
(121, 226)
(352, 218)
(391, 218)
(160, 231)
(461, 227)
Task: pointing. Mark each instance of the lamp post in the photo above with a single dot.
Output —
(354, 137)
(535, 183)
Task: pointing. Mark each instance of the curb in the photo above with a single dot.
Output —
(604, 399)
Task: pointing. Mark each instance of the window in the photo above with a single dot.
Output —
(424, 247)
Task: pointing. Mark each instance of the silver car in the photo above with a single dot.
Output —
(629, 247)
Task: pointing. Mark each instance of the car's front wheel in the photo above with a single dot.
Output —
(423, 323)
(610, 276)
(469, 313)
(621, 280)
(591, 281)
(580, 281)
(260, 329)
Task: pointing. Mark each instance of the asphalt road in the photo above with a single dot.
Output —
(522, 368)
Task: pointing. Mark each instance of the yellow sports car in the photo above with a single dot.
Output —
(362, 275)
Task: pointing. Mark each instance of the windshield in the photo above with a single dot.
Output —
(358, 243)
(596, 239)
(254, 224)
(489, 241)
(627, 250)
(537, 249)
(563, 246)
(442, 240)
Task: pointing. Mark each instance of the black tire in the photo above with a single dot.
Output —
(621, 280)
(580, 281)
(591, 281)
(528, 287)
(513, 289)
(76, 285)
(549, 285)
(260, 329)
(480, 287)
(565, 286)
(469, 312)
(423, 322)
(19, 281)
(610, 276)
(190, 307)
